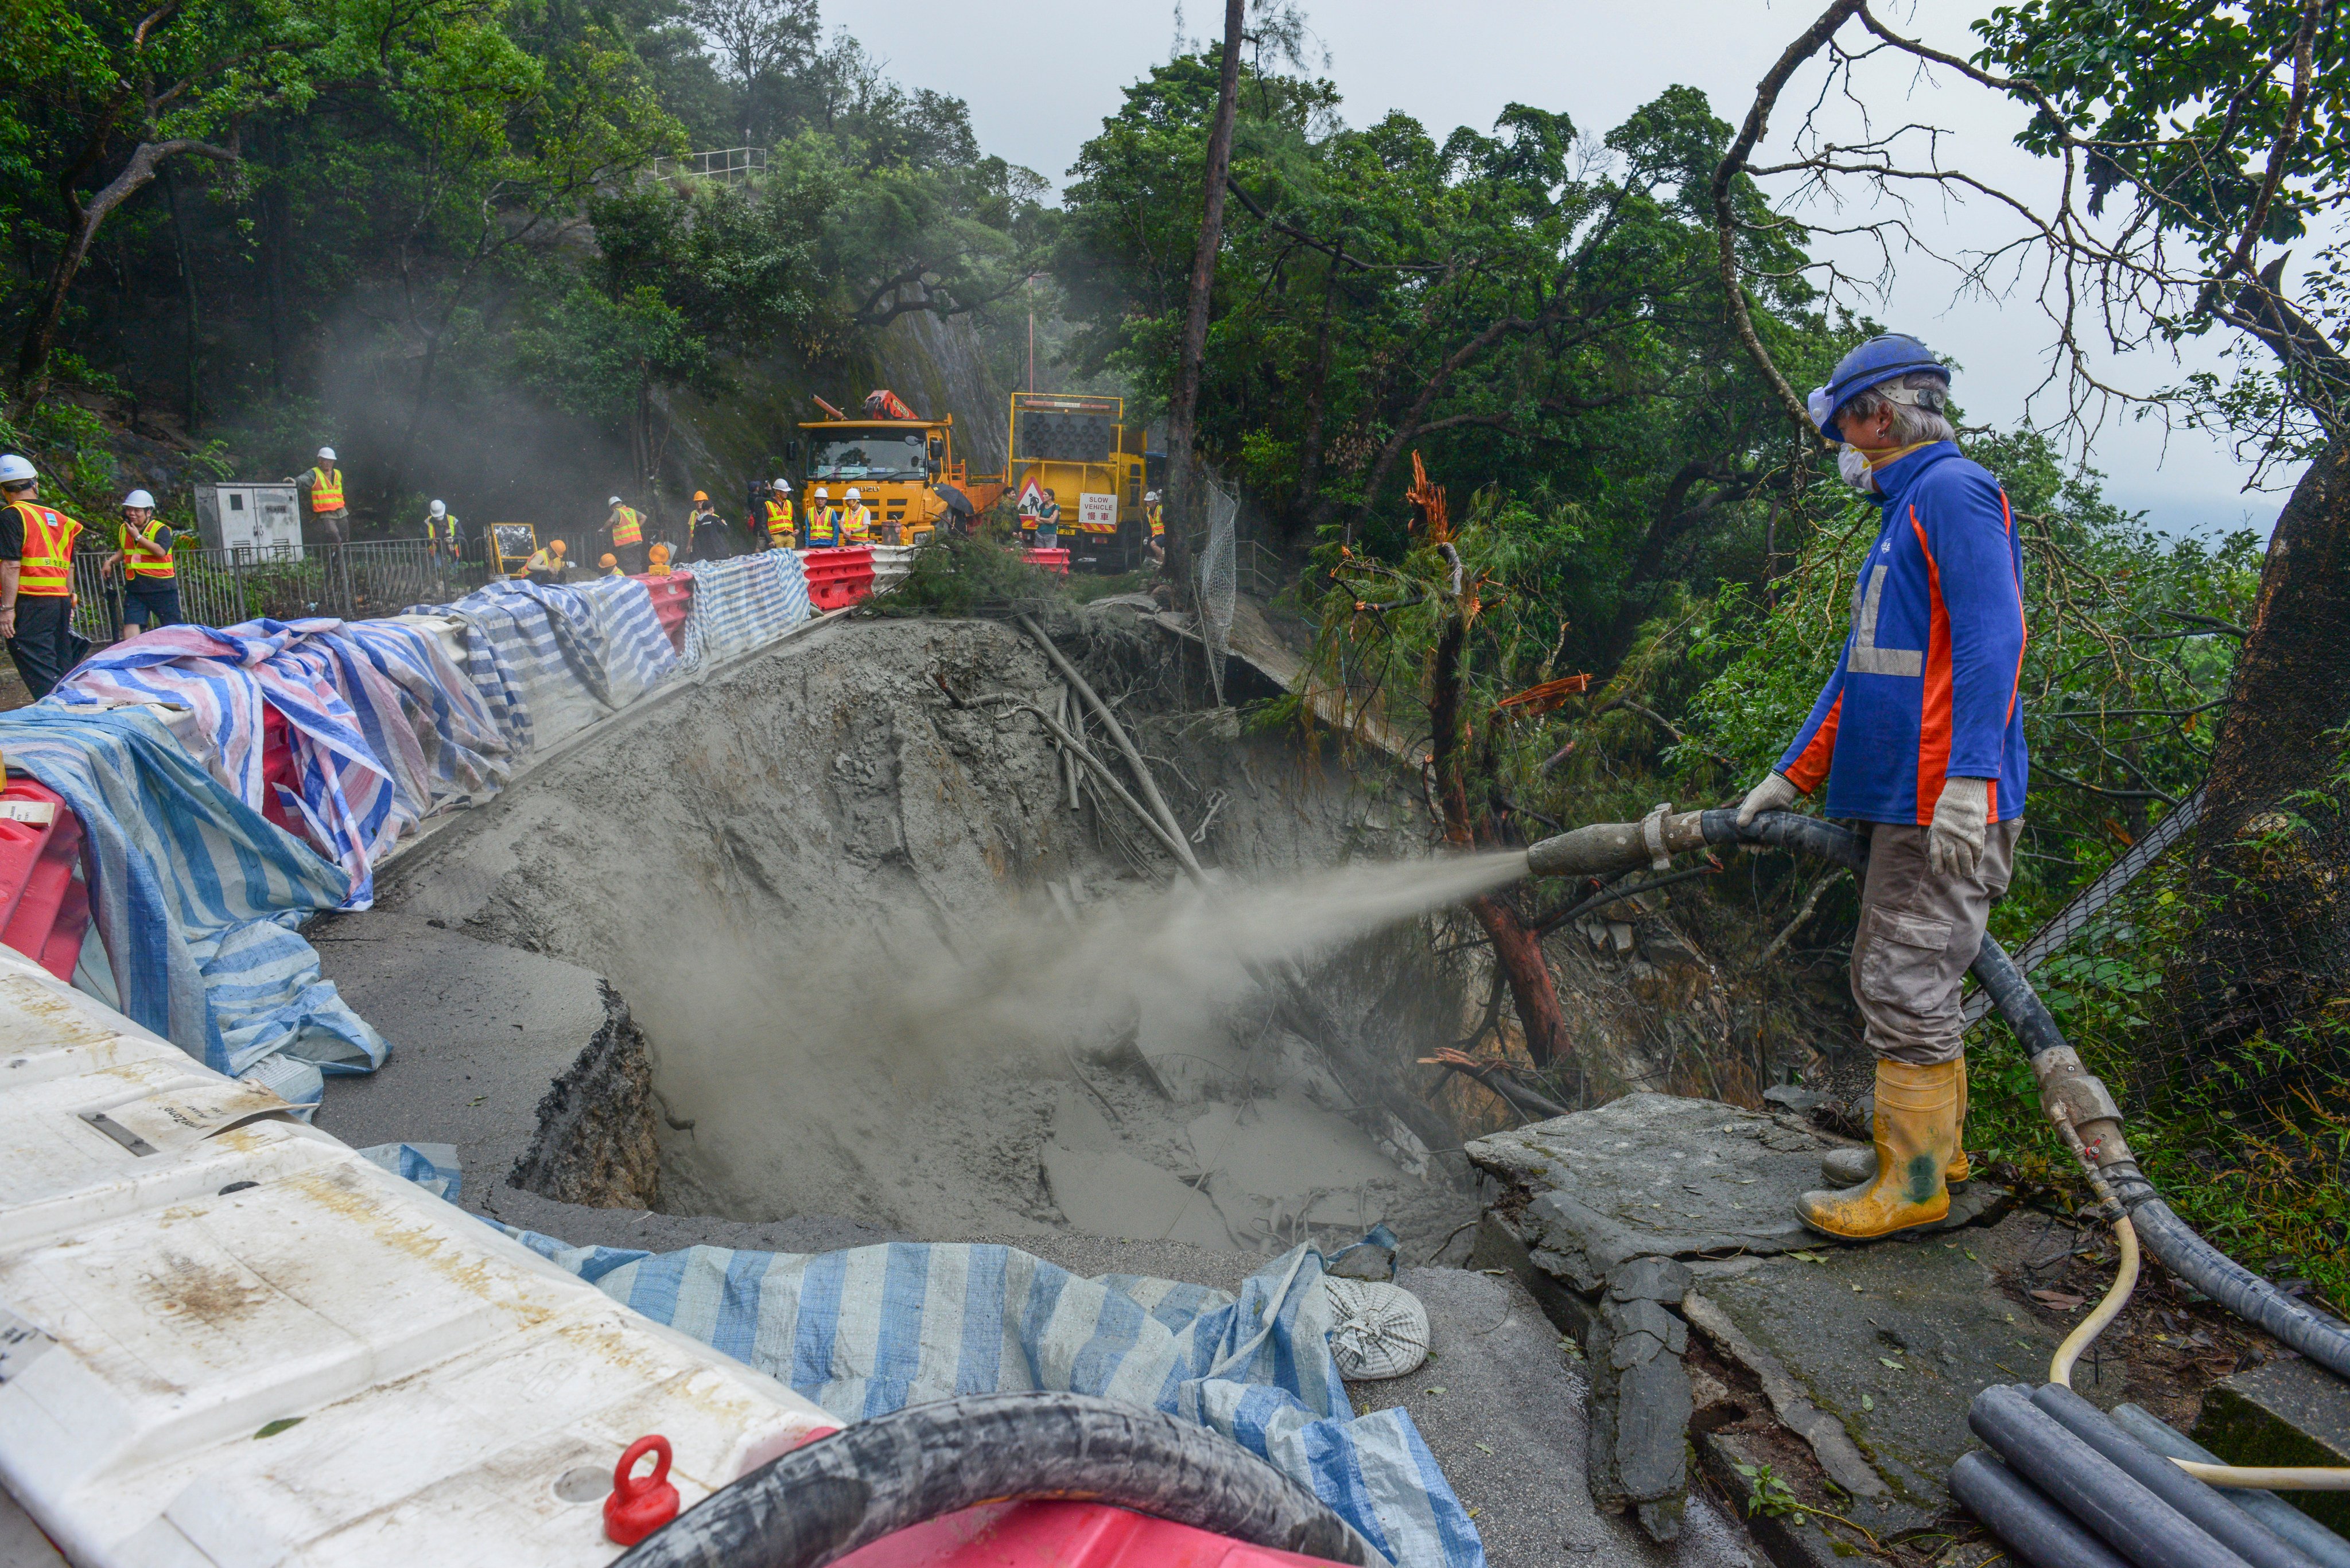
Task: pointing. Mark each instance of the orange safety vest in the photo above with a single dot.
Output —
(779, 521)
(627, 527)
(326, 490)
(1158, 515)
(46, 570)
(142, 555)
(860, 525)
(822, 522)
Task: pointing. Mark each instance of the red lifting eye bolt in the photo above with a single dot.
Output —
(639, 1505)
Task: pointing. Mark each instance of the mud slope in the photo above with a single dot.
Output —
(886, 973)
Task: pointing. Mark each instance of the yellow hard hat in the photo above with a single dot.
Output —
(610, 560)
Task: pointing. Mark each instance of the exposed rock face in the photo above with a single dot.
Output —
(596, 1143)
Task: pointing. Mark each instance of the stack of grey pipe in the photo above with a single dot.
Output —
(2065, 1485)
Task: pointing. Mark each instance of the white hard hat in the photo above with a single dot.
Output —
(15, 470)
(820, 490)
(139, 498)
(440, 509)
(853, 495)
(614, 502)
(1152, 495)
(326, 454)
(783, 484)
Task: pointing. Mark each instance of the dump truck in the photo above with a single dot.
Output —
(903, 467)
(1078, 446)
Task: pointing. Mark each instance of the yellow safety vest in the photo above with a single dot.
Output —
(860, 525)
(1158, 515)
(542, 561)
(142, 554)
(326, 490)
(627, 527)
(779, 521)
(46, 570)
(822, 522)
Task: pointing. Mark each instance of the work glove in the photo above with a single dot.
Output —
(1954, 844)
(1775, 793)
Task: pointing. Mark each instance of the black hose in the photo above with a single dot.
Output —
(2283, 1519)
(2090, 1487)
(875, 1476)
(2222, 1520)
(2233, 1286)
(2035, 1530)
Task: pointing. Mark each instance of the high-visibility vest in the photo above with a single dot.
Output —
(823, 524)
(779, 521)
(1158, 515)
(859, 528)
(626, 526)
(145, 552)
(543, 561)
(46, 570)
(440, 530)
(326, 490)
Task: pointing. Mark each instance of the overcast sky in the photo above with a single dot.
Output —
(1041, 75)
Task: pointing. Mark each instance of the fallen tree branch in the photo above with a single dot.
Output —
(1169, 829)
(1811, 902)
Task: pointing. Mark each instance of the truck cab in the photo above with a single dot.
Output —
(897, 466)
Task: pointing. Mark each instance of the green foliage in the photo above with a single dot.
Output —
(956, 576)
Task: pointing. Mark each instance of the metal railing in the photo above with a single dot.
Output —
(728, 165)
(223, 587)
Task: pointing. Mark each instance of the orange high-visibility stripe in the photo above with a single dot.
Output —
(141, 557)
(1934, 704)
(326, 490)
(779, 519)
(1812, 765)
(47, 569)
(627, 527)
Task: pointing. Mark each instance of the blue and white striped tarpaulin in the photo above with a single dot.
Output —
(741, 603)
(545, 654)
(194, 893)
(637, 652)
(869, 1330)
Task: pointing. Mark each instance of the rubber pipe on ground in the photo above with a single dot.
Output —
(2283, 1520)
(2034, 1529)
(2090, 1487)
(2230, 1526)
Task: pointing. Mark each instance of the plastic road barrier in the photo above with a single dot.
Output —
(1055, 561)
(277, 768)
(43, 911)
(837, 578)
(228, 1338)
(1062, 1535)
(672, 596)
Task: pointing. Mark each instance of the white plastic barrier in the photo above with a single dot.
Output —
(890, 565)
(225, 1339)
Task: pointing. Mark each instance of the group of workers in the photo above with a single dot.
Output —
(705, 535)
(37, 594)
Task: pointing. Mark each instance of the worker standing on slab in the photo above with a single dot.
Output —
(823, 520)
(325, 484)
(1919, 735)
(37, 546)
(856, 524)
(626, 526)
(151, 579)
(708, 536)
(781, 534)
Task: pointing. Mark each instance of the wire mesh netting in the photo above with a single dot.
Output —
(1219, 576)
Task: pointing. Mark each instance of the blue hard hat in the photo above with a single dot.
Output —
(1879, 360)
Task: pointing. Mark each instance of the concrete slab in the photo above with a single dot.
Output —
(2287, 1412)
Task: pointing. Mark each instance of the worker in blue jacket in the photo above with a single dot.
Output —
(1920, 736)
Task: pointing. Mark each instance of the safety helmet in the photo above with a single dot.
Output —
(139, 498)
(609, 559)
(783, 484)
(614, 502)
(326, 454)
(555, 546)
(1875, 362)
(1150, 496)
(701, 495)
(15, 470)
(853, 495)
(440, 509)
(822, 493)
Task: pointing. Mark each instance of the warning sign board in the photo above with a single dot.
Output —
(1097, 513)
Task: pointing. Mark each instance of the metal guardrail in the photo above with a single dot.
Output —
(728, 165)
(223, 587)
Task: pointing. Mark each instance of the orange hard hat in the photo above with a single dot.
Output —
(610, 560)
(702, 495)
(555, 546)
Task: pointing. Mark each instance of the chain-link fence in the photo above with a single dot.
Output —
(223, 587)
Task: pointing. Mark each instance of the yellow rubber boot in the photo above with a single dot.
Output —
(1916, 1129)
(1959, 1170)
(1845, 1167)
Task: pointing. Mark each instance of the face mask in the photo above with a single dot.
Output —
(1852, 464)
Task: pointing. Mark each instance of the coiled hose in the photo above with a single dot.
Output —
(821, 1501)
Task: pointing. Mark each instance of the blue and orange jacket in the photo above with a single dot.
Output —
(1927, 686)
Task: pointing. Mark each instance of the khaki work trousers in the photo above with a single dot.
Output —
(1918, 933)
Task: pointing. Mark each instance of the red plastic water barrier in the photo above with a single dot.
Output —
(837, 578)
(1051, 560)
(277, 768)
(673, 596)
(1062, 1535)
(43, 910)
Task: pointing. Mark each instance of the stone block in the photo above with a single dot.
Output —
(2283, 1413)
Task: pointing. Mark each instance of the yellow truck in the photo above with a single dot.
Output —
(903, 467)
(1078, 446)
